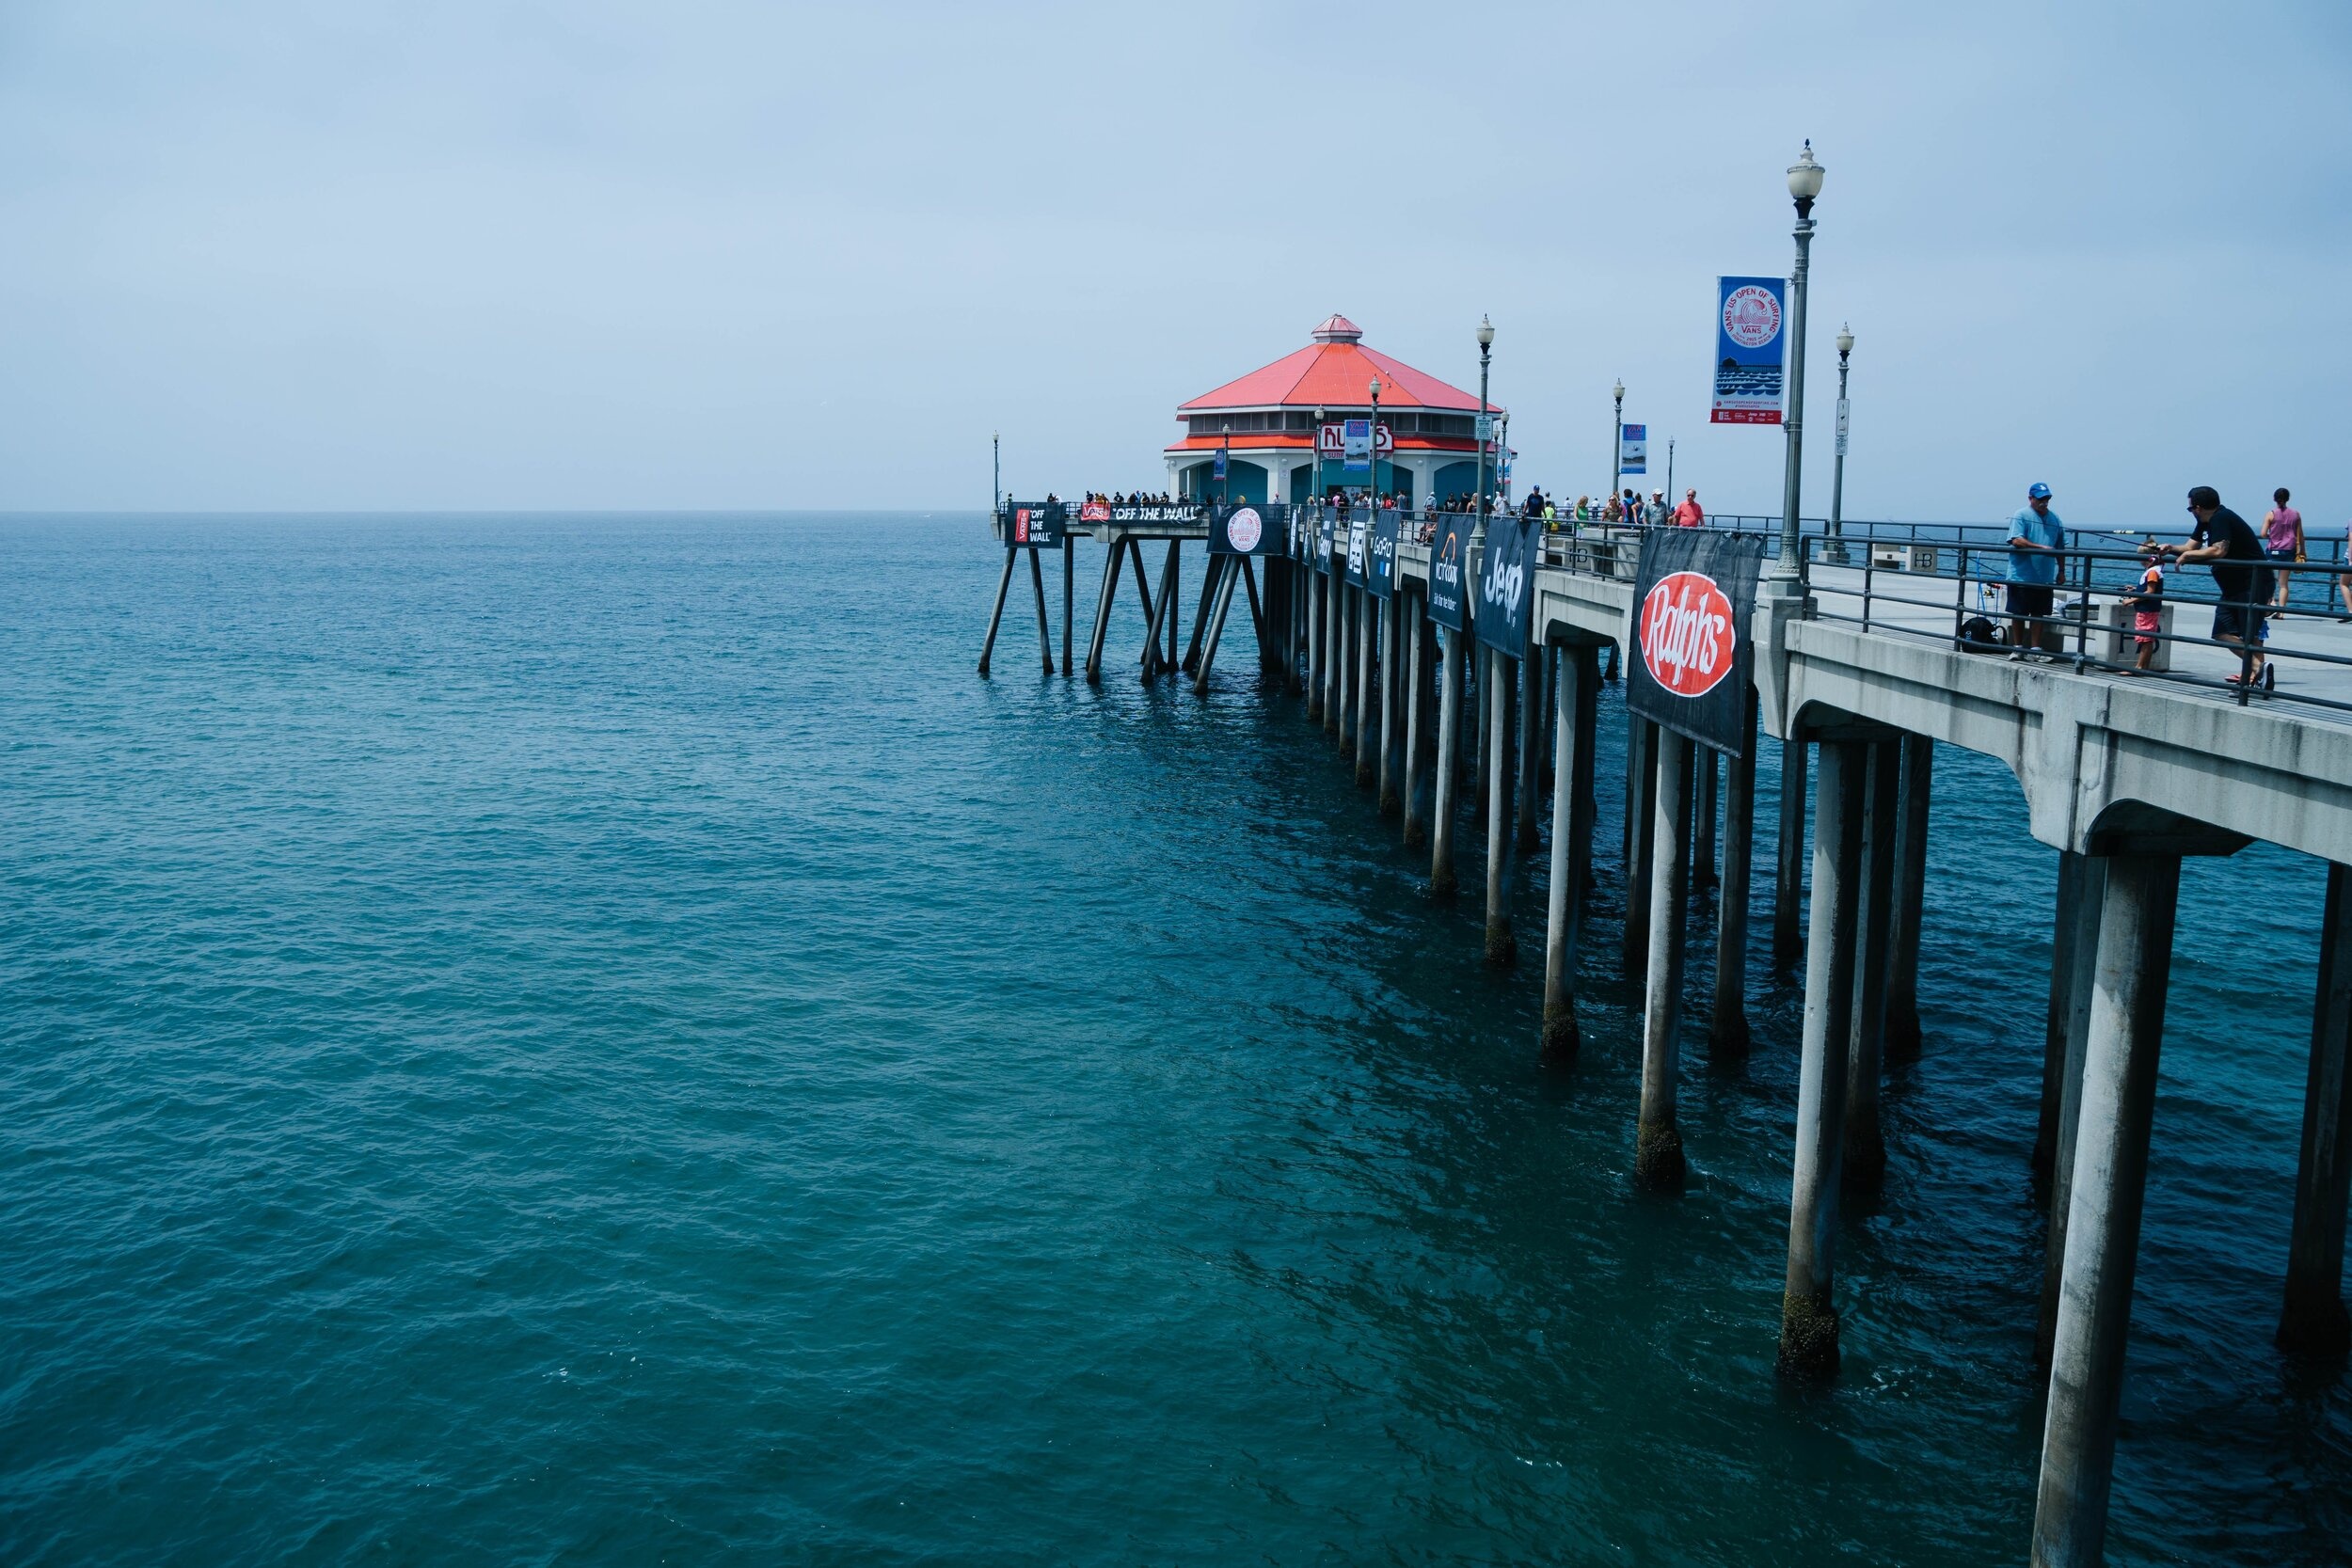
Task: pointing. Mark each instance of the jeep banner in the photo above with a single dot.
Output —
(1247, 529)
(1692, 606)
(1380, 575)
(1448, 557)
(1506, 584)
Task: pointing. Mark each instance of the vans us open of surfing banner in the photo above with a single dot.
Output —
(1693, 608)
(1246, 530)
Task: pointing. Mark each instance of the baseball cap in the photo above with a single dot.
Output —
(2037, 491)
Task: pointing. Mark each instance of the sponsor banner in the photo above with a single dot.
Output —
(1449, 558)
(1095, 512)
(1331, 441)
(1327, 538)
(1356, 444)
(1037, 524)
(1633, 454)
(1358, 549)
(1693, 608)
(1750, 350)
(1246, 530)
(1381, 574)
(1506, 584)
(1145, 514)
(1219, 472)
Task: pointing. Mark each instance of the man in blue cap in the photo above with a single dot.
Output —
(2035, 537)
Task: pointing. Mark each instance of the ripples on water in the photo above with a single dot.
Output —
(597, 1039)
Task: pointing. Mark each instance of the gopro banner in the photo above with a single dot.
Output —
(1748, 351)
(1449, 553)
(1507, 585)
(1380, 576)
(1358, 549)
(1693, 608)
(1244, 530)
(1041, 524)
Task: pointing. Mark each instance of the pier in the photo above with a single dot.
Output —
(1447, 689)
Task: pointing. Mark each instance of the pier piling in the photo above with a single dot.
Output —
(1502, 947)
(1727, 1033)
(1068, 596)
(1004, 582)
(1111, 559)
(1910, 887)
(1365, 712)
(1703, 811)
(1416, 727)
(1318, 597)
(1788, 884)
(2110, 1176)
(1044, 620)
(1657, 1162)
(1391, 692)
(1225, 578)
(1531, 757)
(1640, 794)
(1451, 646)
(2314, 1321)
(1573, 720)
(1211, 574)
(1808, 1317)
(2082, 880)
(1864, 1161)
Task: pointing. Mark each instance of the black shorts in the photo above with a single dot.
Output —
(2029, 599)
(2240, 621)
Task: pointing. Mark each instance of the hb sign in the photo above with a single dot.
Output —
(1449, 557)
(1244, 530)
(1036, 523)
(1380, 572)
(1691, 610)
(1506, 584)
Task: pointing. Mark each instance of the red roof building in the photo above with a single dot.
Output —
(1269, 419)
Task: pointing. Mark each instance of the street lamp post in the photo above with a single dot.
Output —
(1669, 473)
(1321, 414)
(1372, 485)
(1486, 343)
(1616, 449)
(1805, 185)
(1837, 472)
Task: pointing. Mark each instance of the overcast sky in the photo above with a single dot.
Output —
(573, 255)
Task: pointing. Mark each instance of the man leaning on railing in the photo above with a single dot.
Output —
(2223, 538)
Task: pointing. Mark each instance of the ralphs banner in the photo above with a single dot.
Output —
(1244, 530)
(1692, 606)
(1749, 350)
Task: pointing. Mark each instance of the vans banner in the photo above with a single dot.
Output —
(1041, 524)
(1694, 654)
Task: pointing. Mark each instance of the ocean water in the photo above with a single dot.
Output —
(597, 1039)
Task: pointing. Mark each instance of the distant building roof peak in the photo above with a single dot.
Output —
(1337, 328)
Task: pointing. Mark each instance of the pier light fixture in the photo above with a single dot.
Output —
(1804, 179)
(1485, 333)
(1485, 425)
(1805, 185)
(1845, 341)
(1617, 445)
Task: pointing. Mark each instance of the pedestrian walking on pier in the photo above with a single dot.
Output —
(2222, 540)
(2035, 538)
(2282, 537)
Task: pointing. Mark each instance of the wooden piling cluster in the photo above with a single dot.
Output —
(1425, 715)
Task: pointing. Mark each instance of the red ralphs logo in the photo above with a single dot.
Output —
(1687, 635)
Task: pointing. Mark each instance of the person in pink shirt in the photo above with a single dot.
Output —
(2282, 539)
(1688, 515)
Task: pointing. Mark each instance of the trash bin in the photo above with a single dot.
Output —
(2114, 640)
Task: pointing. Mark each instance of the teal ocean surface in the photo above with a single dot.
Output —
(596, 1039)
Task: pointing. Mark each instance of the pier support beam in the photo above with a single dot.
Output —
(1809, 1319)
(1788, 884)
(1004, 583)
(1531, 757)
(1865, 1160)
(1641, 801)
(1911, 892)
(1416, 724)
(1703, 807)
(1045, 620)
(1225, 580)
(1318, 599)
(2074, 944)
(1451, 645)
(2111, 1178)
(1366, 712)
(1391, 697)
(1112, 558)
(1210, 576)
(1728, 1033)
(2314, 1321)
(1575, 718)
(1502, 949)
(1348, 627)
(1657, 1162)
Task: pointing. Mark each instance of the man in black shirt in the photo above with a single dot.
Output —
(2222, 538)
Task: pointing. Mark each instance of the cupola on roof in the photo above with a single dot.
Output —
(1334, 372)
